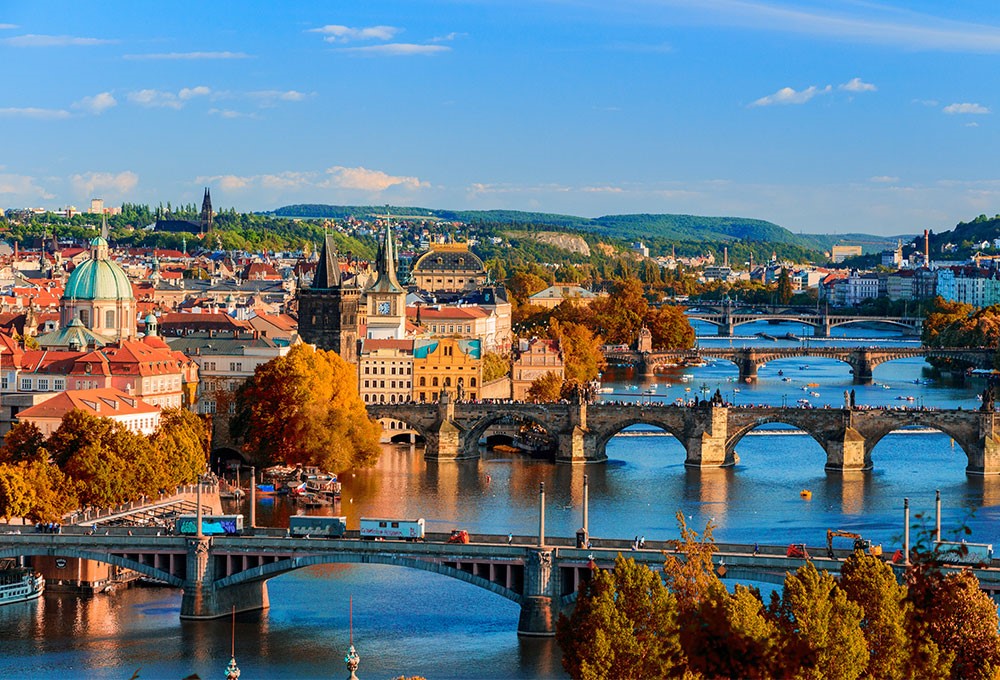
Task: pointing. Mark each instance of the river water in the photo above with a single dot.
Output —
(410, 622)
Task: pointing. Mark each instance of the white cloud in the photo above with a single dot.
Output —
(369, 180)
(448, 37)
(338, 33)
(32, 112)
(7, 26)
(160, 99)
(188, 55)
(269, 97)
(95, 183)
(602, 190)
(883, 179)
(857, 85)
(932, 103)
(97, 104)
(397, 50)
(232, 182)
(191, 92)
(23, 187)
(972, 124)
(230, 113)
(787, 95)
(978, 109)
(32, 40)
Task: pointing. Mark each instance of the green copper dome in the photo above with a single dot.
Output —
(98, 278)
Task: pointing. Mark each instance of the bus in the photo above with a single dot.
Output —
(404, 529)
(211, 525)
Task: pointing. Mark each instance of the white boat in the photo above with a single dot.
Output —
(685, 378)
(885, 387)
(20, 585)
(605, 390)
(814, 394)
(736, 389)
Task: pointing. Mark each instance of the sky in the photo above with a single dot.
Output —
(835, 116)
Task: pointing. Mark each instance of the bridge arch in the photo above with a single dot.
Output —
(923, 419)
(97, 556)
(400, 415)
(737, 434)
(478, 428)
(606, 435)
(887, 322)
(273, 569)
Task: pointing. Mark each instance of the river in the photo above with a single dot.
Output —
(409, 622)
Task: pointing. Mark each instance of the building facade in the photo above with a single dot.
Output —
(328, 309)
(447, 364)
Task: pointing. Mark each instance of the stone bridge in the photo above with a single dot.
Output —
(728, 317)
(862, 360)
(708, 432)
(541, 575)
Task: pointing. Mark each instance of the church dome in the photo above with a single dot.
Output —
(450, 257)
(98, 278)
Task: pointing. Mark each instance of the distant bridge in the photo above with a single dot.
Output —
(709, 433)
(862, 360)
(727, 316)
(542, 576)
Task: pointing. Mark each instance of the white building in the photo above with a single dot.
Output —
(103, 402)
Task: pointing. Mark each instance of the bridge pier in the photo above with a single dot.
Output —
(862, 368)
(540, 602)
(984, 454)
(847, 452)
(202, 600)
(747, 366)
(707, 449)
(822, 329)
(726, 328)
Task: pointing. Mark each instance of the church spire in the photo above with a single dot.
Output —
(386, 263)
(328, 268)
(206, 212)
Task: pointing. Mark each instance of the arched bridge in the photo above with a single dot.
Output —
(542, 576)
(862, 360)
(728, 317)
(708, 432)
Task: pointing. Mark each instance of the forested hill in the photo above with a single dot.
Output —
(633, 227)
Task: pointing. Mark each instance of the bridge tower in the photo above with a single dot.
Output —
(540, 602)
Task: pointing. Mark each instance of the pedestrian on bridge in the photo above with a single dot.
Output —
(510, 538)
(756, 549)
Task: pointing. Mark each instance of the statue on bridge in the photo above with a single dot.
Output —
(989, 395)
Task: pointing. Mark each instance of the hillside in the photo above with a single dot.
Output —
(688, 228)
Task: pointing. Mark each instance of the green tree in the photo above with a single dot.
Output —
(305, 408)
(624, 625)
(495, 366)
(820, 629)
(784, 289)
(870, 583)
(54, 494)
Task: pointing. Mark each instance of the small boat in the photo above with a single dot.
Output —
(687, 389)
(20, 585)
(885, 387)
(786, 380)
(686, 378)
(812, 384)
(605, 390)
(780, 372)
(804, 367)
(736, 389)
(806, 494)
(266, 489)
(814, 394)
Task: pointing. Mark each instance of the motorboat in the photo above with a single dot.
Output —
(806, 494)
(814, 394)
(605, 390)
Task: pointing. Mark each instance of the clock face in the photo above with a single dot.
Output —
(383, 308)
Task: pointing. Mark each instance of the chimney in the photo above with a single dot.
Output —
(927, 248)
(725, 256)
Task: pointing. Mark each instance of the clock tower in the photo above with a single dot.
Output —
(386, 298)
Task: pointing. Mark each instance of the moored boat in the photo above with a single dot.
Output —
(20, 585)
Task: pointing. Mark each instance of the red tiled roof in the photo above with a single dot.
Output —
(101, 401)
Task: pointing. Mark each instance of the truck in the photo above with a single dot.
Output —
(397, 529)
(954, 552)
(862, 544)
(317, 526)
(211, 525)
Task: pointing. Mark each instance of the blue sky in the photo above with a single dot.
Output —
(827, 116)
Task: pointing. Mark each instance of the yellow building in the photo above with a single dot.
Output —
(447, 364)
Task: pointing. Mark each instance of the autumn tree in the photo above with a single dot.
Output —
(670, 328)
(183, 439)
(624, 625)
(870, 583)
(495, 366)
(21, 443)
(581, 351)
(820, 629)
(619, 316)
(305, 408)
(962, 620)
(15, 492)
(546, 388)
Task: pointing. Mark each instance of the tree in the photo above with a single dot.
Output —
(670, 328)
(870, 583)
(581, 351)
(546, 388)
(962, 619)
(21, 443)
(183, 439)
(15, 492)
(624, 626)
(819, 628)
(54, 494)
(495, 366)
(305, 408)
(784, 289)
(619, 316)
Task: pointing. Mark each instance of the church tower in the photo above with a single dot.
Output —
(206, 212)
(328, 309)
(386, 298)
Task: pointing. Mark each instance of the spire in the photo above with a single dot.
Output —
(206, 211)
(328, 267)
(386, 263)
(104, 227)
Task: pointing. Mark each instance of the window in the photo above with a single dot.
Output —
(84, 317)
(25, 383)
(423, 381)
(236, 366)
(43, 384)
(434, 382)
(3, 383)
(109, 318)
(472, 382)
